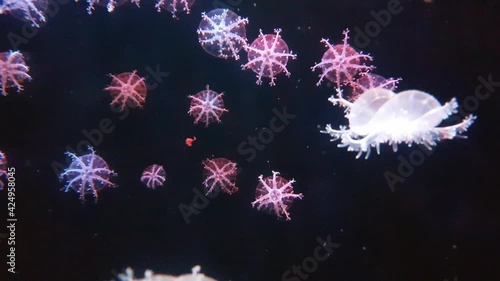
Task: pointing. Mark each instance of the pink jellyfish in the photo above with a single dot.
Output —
(127, 89)
(28, 10)
(220, 174)
(109, 4)
(87, 174)
(268, 56)
(207, 106)
(222, 33)
(3, 168)
(369, 81)
(175, 6)
(275, 193)
(13, 71)
(153, 176)
(341, 63)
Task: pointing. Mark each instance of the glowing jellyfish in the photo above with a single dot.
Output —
(275, 194)
(207, 106)
(220, 175)
(153, 176)
(109, 4)
(87, 174)
(174, 6)
(369, 81)
(3, 168)
(381, 116)
(341, 63)
(13, 71)
(127, 89)
(268, 56)
(222, 33)
(195, 275)
(27, 10)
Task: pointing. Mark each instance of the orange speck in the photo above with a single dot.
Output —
(189, 141)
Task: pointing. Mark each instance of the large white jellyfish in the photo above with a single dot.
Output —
(382, 116)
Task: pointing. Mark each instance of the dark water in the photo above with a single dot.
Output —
(439, 223)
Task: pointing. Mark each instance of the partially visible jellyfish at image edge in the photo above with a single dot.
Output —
(153, 176)
(275, 194)
(32, 11)
(207, 107)
(3, 168)
(268, 56)
(220, 175)
(341, 63)
(109, 4)
(128, 90)
(175, 6)
(87, 174)
(369, 81)
(13, 71)
(222, 33)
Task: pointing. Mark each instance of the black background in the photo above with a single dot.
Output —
(440, 223)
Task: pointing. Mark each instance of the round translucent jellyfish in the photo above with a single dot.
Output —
(381, 116)
(268, 56)
(149, 275)
(275, 194)
(127, 89)
(207, 106)
(109, 4)
(369, 81)
(341, 63)
(220, 175)
(222, 33)
(87, 174)
(13, 71)
(32, 11)
(3, 168)
(174, 6)
(153, 176)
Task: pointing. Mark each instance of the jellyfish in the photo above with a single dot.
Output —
(153, 176)
(207, 106)
(268, 56)
(220, 175)
(341, 63)
(127, 89)
(382, 116)
(275, 194)
(222, 33)
(87, 174)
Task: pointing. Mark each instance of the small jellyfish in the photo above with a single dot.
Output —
(207, 106)
(153, 176)
(275, 194)
(87, 174)
(127, 89)
(268, 56)
(222, 33)
(174, 6)
(220, 175)
(13, 71)
(341, 63)
(189, 141)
